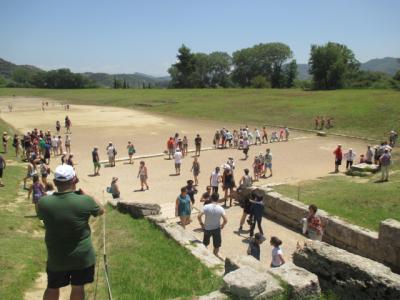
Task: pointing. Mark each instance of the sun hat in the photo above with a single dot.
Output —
(64, 173)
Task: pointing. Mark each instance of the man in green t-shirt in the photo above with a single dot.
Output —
(70, 254)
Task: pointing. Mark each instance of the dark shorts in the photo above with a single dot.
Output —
(1, 173)
(216, 236)
(338, 162)
(60, 279)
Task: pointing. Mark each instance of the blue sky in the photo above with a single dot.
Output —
(143, 36)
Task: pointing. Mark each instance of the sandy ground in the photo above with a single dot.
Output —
(304, 157)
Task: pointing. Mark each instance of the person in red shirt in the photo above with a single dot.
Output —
(170, 146)
(338, 157)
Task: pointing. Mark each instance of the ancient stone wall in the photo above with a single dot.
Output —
(383, 246)
(349, 276)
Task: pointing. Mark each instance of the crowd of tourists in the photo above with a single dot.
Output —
(68, 209)
(379, 155)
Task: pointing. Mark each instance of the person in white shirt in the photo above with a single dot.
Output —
(54, 145)
(277, 254)
(111, 152)
(212, 224)
(178, 161)
(349, 156)
(257, 134)
(215, 179)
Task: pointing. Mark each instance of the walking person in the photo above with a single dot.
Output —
(267, 163)
(131, 152)
(54, 145)
(3, 165)
(5, 142)
(170, 147)
(58, 127)
(212, 225)
(265, 135)
(197, 143)
(71, 257)
(338, 157)
(178, 161)
(257, 212)
(111, 153)
(349, 156)
(287, 133)
(246, 147)
(96, 161)
(191, 190)
(215, 179)
(68, 124)
(196, 170)
(67, 144)
(385, 161)
(185, 146)
(17, 145)
(257, 134)
(228, 183)
(36, 190)
(143, 175)
(183, 207)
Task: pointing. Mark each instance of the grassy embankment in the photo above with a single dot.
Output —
(22, 252)
(364, 112)
(361, 201)
(144, 264)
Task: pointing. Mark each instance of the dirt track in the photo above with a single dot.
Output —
(305, 157)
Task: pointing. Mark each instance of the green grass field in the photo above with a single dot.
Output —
(356, 112)
(362, 203)
(145, 264)
(22, 251)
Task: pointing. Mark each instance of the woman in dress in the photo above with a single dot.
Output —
(228, 183)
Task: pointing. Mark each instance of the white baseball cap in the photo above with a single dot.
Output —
(64, 173)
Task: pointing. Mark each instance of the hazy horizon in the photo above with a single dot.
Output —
(131, 36)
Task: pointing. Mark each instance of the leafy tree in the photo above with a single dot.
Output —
(291, 73)
(22, 76)
(331, 64)
(259, 82)
(263, 59)
(397, 76)
(182, 72)
(219, 65)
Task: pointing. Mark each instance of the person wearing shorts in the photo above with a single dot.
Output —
(96, 161)
(197, 142)
(212, 225)
(338, 157)
(215, 179)
(267, 163)
(71, 257)
(178, 161)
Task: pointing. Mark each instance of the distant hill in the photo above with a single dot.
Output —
(101, 79)
(387, 65)
(7, 68)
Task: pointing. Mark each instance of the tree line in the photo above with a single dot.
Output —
(332, 66)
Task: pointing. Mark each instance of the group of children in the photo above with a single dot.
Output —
(244, 137)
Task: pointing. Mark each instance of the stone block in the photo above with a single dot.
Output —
(245, 283)
(389, 232)
(138, 210)
(348, 275)
(232, 263)
(216, 295)
(302, 283)
(365, 168)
